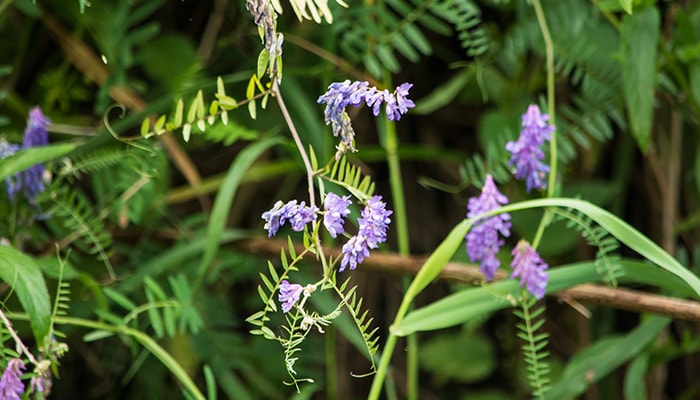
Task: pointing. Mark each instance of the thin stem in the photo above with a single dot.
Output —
(297, 141)
(16, 338)
(549, 54)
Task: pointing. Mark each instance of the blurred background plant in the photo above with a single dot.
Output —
(145, 254)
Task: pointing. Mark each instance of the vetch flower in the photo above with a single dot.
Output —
(289, 294)
(528, 265)
(374, 222)
(298, 216)
(526, 152)
(483, 239)
(11, 385)
(373, 225)
(336, 209)
(342, 94)
(31, 180)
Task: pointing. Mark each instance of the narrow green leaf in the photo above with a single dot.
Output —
(145, 126)
(263, 61)
(251, 109)
(23, 274)
(626, 5)
(639, 35)
(24, 159)
(119, 298)
(160, 123)
(186, 132)
(97, 335)
(179, 109)
(222, 204)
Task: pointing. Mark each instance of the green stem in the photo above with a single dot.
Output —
(549, 55)
(151, 345)
(391, 145)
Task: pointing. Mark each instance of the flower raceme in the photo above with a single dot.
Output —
(373, 223)
(11, 385)
(342, 94)
(528, 265)
(30, 182)
(483, 240)
(526, 152)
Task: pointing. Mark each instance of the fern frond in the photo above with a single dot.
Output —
(596, 236)
(350, 177)
(86, 228)
(364, 324)
(466, 18)
(61, 303)
(91, 162)
(197, 114)
(533, 350)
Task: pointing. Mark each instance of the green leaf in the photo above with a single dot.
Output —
(224, 199)
(24, 159)
(179, 109)
(23, 274)
(639, 38)
(263, 60)
(626, 5)
(604, 356)
(635, 387)
(145, 126)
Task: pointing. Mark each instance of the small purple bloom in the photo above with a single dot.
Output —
(31, 180)
(342, 94)
(298, 216)
(336, 209)
(528, 265)
(483, 239)
(11, 385)
(373, 224)
(276, 217)
(301, 215)
(289, 294)
(526, 152)
(354, 252)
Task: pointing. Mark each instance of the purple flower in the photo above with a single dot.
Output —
(373, 222)
(11, 385)
(289, 294)
(526, 152)
(298, 216)
(336, 209)
(354, 252)
(342, 94)
(483, 239)
(277, 216)
(528, 265)
(31, 180)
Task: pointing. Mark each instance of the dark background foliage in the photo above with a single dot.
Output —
(474, 71)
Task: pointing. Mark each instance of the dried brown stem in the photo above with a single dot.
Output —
(624, 299)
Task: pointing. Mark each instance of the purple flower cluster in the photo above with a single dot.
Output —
(343, 94)
(30, 181)
(11, 385)
(483, 242)
(373, 224)
(298, 216)
(289, 294)
(528, 265)
(483, 239)
(526, 152)
(336, 209)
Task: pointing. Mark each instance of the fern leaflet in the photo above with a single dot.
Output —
(533, 350)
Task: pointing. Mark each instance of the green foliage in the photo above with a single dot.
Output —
(24, 276)
(374, 33)
(534, 351)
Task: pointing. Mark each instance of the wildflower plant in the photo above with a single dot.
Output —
(341, 221)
